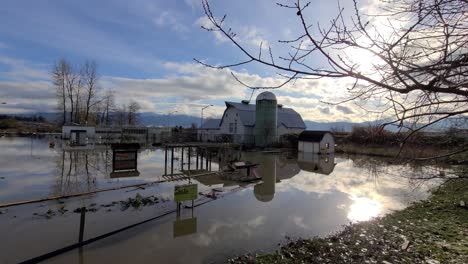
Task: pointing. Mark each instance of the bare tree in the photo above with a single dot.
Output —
(78, 98)
(418, 66)
(59, 74)
(108, 104)
(71, 83)
(133, 113)
(89, 78)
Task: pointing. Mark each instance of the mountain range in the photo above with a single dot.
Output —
(154, 119)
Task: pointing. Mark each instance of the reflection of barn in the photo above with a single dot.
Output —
(320, 142)
(321, 164)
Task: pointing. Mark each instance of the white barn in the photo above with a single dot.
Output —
(320, 142)
(238, 123)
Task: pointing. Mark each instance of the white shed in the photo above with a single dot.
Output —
(320, 142)
(78, 135)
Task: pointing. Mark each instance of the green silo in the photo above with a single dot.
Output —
(265, 119)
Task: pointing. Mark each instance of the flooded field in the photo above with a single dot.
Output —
(299, 196)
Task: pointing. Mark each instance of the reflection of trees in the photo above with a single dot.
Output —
(77, 170)
(416, 173)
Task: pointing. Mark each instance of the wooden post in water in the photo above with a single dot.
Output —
(82, 224)
(172, 161)
(201, 160)
(210, 161)
(196, 162)
(165, 160)
(219, 162)
(182, 159)
(189, 158)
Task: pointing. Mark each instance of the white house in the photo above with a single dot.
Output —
(238, 122)
(320, 142)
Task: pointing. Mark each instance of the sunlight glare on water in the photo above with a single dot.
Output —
(363, 209)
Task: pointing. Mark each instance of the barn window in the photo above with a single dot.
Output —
(327, 145)
(231, 127)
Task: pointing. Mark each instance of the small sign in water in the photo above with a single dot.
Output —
(185, 192)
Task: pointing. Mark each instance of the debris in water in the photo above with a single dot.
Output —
(139, 201)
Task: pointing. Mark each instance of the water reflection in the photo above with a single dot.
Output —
(184, 226)
(77, 170)
(321, 164)
(298, 197)
(274, 168)
(265, 191)
(363, 209)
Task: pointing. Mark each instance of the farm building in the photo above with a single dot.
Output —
(320, 142)
(209, 131)
(261, 124)
(78, 135)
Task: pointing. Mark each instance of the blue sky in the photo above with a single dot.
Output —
(145, 50)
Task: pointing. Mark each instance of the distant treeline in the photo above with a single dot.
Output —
(34, 118)
(377, 135)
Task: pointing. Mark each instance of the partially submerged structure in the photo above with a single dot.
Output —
(82, 135)
(319, 142)
(260, 124)
(78, 135)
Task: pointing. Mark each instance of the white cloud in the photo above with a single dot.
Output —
(170, 19)
(250, 35)
(22, 70)
(188, 86)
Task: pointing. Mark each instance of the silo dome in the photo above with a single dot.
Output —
(266, 115)
(266, 96)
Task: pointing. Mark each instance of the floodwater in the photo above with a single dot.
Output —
(300, 196)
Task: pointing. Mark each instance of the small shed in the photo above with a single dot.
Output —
(78, 135)
(319, 142)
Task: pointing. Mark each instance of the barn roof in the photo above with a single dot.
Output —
(211, 124)
(286, 116)
(312, 135)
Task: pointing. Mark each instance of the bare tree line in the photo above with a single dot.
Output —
(419, 71)
(81, 100)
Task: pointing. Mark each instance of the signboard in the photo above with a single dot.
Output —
(185, 227)
(124, 160)
(185, 192)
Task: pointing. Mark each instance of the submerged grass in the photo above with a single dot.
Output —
(431, 231)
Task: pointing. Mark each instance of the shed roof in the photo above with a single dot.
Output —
(312, 135)
(286, 116)
(211, 124)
